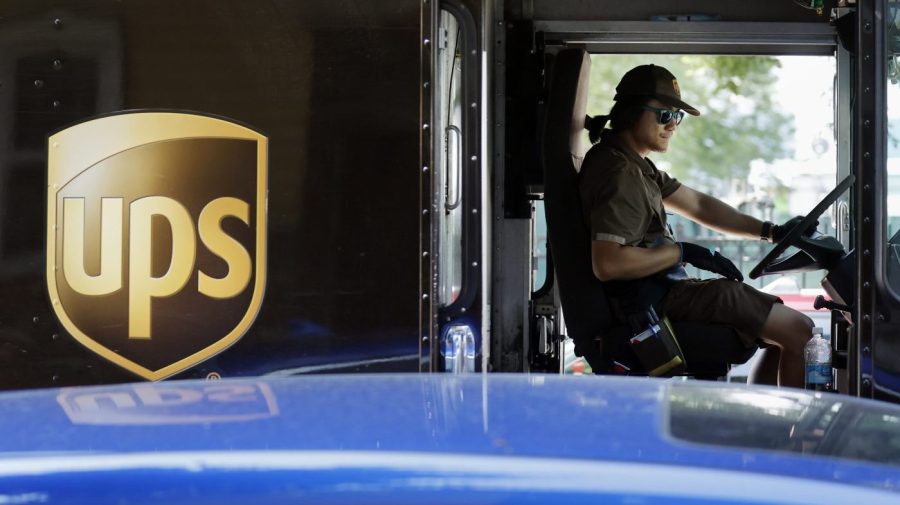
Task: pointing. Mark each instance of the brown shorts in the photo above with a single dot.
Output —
(721, 301)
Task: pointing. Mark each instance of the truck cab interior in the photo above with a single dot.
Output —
(544, 47)
(589, 321)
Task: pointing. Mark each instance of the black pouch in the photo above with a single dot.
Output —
(655, 345)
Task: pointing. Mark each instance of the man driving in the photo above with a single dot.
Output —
(625, 199)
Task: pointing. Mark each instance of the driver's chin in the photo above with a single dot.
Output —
(661, 145)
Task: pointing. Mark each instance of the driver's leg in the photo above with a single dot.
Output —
(756, 317)
(765, 370)
(789, 330)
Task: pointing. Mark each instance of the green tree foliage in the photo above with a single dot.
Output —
(739, 121)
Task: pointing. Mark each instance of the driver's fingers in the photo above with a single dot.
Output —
(811, 229)
(726, 268)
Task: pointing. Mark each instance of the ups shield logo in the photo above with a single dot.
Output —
(156, 236)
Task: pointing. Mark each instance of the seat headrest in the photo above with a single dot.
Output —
(571, 73)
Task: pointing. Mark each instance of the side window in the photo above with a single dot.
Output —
(449, 150)
(538, 247)
(456, 190)
(892, 151)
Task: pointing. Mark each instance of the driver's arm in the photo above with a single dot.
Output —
(614, 261)
(712, 213)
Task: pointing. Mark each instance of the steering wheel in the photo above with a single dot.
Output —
(795, 235)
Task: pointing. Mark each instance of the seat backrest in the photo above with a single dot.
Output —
(584, 303)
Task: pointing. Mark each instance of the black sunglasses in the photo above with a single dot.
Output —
(665, 116)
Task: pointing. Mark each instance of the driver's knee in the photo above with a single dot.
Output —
(787, 328)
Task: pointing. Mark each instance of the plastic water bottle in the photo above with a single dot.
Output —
(818, 362)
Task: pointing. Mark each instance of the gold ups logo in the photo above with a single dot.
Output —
(156, 236)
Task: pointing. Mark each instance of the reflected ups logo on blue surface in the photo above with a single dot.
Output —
(156, 236)
(156, 404)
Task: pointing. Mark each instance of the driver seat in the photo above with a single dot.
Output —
(709, 349)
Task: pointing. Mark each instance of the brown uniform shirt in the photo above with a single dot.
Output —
(622, 194)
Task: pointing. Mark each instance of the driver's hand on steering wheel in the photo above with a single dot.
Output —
(781, 231)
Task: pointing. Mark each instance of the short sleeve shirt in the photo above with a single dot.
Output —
(621, 195)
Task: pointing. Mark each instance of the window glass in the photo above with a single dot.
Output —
(892, 152)
(448, 183)
(538, 246)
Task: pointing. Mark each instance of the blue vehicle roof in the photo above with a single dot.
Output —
(467, 439)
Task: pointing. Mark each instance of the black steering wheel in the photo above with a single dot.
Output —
(795, 236)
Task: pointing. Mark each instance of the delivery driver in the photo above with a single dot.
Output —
(625, 199)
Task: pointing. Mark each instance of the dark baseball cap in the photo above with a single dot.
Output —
(655, 81)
